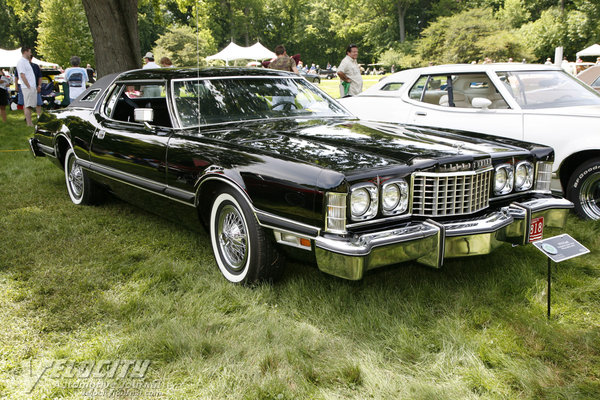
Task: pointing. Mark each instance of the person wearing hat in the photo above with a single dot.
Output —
(149, 59)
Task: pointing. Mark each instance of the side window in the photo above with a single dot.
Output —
(435, 89)
(467, 87)
(112, 101)
(126, 97)
(417, 90)
(391, 87)
(91, 96)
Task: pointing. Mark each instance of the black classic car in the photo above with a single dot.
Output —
(271, 165)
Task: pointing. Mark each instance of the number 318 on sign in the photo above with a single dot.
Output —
(536, 229)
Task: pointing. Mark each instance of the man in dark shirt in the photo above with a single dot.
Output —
(37, 71)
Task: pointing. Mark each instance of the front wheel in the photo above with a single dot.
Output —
(242, 251)
(584, 189)
(81, 189)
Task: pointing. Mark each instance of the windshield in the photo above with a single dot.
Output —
(547, 89)
(210, 101)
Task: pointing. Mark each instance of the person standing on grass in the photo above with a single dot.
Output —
(76, 77)
(349, 73)
(4, 90)
(37, 72)
(27, 82)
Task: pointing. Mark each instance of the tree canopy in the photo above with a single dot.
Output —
(402, 32)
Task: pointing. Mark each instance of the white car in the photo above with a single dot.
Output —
(535, 103)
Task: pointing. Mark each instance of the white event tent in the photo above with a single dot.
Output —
(593, 50)
(10, 58)
(234, 52)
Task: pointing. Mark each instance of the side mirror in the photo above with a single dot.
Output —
(481, 102)
(143, 115)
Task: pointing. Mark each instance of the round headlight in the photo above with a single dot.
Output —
(524, 176)
(360, 200)
(503, 179)
(391, 196)
(394, 197)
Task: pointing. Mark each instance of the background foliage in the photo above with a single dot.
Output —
(406, 33)
(64, 32)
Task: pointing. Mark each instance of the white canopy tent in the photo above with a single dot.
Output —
(593, 50)
(235, 52)
(259, 52)
(10, 58)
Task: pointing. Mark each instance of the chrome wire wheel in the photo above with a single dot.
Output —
(232, 237)
(79, 185)
(589, 196)
(244, 254)
(75, 178)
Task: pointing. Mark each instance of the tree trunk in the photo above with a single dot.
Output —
(401, 27)
(114, 28)
(246, 35)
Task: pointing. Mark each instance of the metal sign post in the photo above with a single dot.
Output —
(549, 284)
(559, 248)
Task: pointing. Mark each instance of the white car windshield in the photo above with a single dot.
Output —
(547, 89)
(211, 101)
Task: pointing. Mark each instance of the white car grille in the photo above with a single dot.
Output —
(457, 193)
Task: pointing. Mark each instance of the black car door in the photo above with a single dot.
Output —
(125, 150)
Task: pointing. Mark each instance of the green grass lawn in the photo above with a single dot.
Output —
(111, 282)
(331, 86)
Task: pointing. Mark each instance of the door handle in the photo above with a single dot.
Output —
(421, 113)
(100, 134)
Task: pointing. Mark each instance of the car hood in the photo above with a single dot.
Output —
(346, 145)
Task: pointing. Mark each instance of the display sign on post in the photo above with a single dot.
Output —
(559, 248)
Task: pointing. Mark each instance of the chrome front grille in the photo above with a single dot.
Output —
(455, 193)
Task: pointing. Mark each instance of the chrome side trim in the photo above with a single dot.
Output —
(145, 184)
(46, 149)
(281, 223)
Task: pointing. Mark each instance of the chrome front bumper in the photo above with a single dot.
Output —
(429, 242)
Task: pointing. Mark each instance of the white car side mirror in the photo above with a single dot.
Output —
(143, 115)
(481, 102)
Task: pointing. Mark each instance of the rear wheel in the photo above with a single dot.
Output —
(583, 189)
(243, 252)
(81, 189)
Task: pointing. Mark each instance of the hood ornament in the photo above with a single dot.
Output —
(458, 147)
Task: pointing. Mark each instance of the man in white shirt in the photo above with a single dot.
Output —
(76, 77)
(349, 73)
(28, 84)
(149, 59)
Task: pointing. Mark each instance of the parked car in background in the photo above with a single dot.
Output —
(591, 76)
(327, 73)
(270, 165)
(314, 78)
(536, 103)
